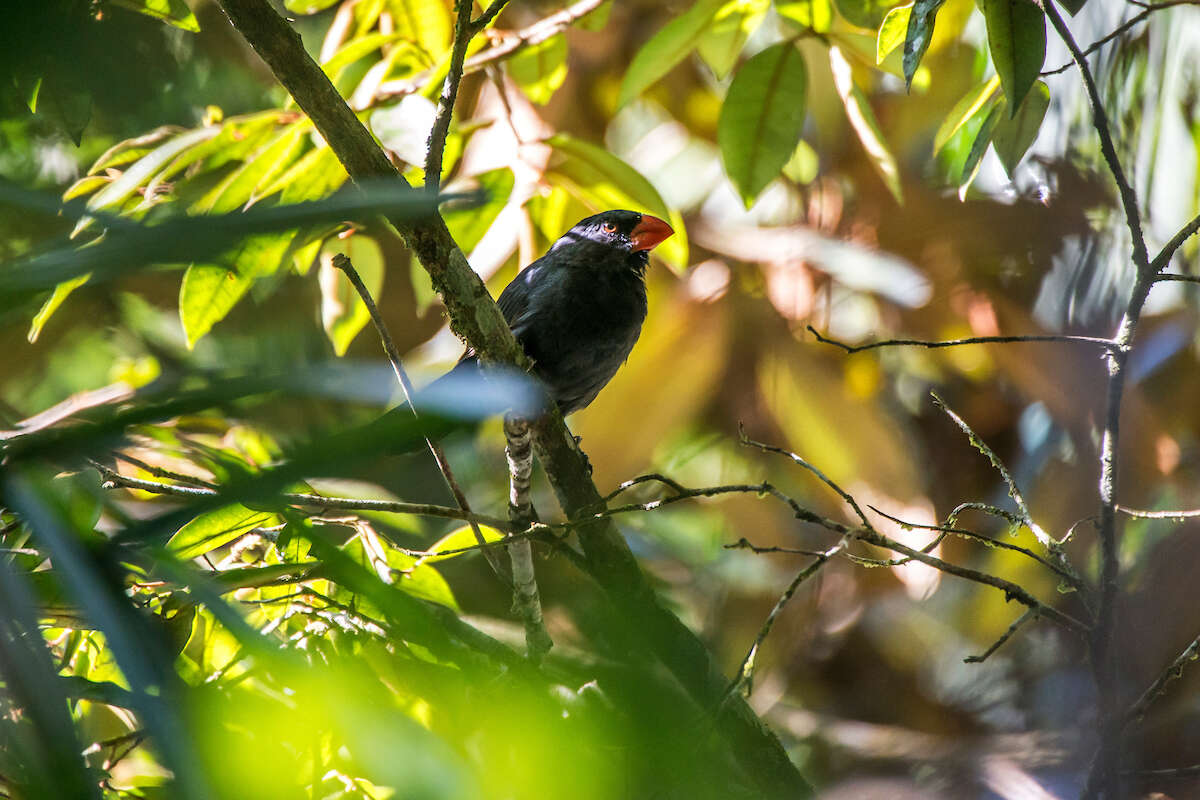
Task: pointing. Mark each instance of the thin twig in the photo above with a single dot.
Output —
(1132, 22)
(744, 678)
(745, 544)
(1163, 259)
(463, 31)
(1177, 514)
(1164, 277)
(489, 14)
(858, 348)
(342, 262)
(1029, 614)
(652, 476)
(1170, 773)
(160, 472)
(1156, 689)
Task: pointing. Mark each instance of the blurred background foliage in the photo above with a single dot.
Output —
(245, 650)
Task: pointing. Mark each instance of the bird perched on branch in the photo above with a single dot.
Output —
(578, 310)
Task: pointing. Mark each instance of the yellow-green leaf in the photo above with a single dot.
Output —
(762, 117)
(343, 312)
(207, 294)
(978, 98)
(215, 528)
(814, 15)
(1015, 134)
(539, 70)
(892, 31)
(53, 302)
(173, 12)
(458, 539)
(667, 48)
(601, 181)
(239, 187)
(733, 23)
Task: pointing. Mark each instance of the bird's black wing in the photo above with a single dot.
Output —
(514, 301)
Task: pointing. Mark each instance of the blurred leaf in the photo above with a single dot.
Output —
(52, 303)
(214, 529)
(317, 174)
(980, 145)
(207, 294)
(815, 15)
(979, 100)
(602, 182)
(918, 35)
(343, 312)
(129, 150)
(355, 49)
(239, 187)
(722, 42)
(1014, 135)
(596, 19)
(804, 165)
(864, 13)
(457, 539)
(426, 23)
(404, 127)
(85, 185)
(540, 69)
(666, 49)
(1017, 40)
(468, 225)
(173, 12)
(862, 119)
(307, 6)
(892, 31)
(1073, 6)
(762, 117)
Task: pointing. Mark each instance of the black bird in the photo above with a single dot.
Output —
(578, 310)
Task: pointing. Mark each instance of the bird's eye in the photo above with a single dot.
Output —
(609, 227)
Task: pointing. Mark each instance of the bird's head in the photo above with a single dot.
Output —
(627, 232)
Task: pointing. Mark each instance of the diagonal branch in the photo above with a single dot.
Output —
(464, 30)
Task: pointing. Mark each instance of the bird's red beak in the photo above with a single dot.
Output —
(649, 232)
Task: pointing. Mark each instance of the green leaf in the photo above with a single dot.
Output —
(1072, 6)
(355, 49)
(980, 145)
(1017, 39)
(666, 49)
(85, 185)
(425, 23)
(762, 117)
(862, 119)
(539, 70)
(207, 294)
(468, 225)
(343, 312)
(1015, 134)
(316, 175)
(813, 15)
(53, 302)
(733, 23)
(173, 12)
(601, 181)
(892, 31)
(864, 13)
(129, 150)
(966, 108)
(804, 165)
(213, 529)
(458, 539)
(145, 168)
(239, 187)
(307, 6)
(918, 35)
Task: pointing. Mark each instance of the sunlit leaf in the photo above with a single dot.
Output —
(602, 182)
(207, 294)
(307, 6)
(666, 49)
(239, 187)
(971, 104)
(174, 12)
(425, 23)
(862, 119)
(733, 23)
(129, 150)
(468, 225)
(980, 145)
(216, 528)
(458, 539)
(85, 185)
(52, 303)
(315, 175)
(343, 312)
(892, 31)
(540, 69)
(804, 165)
(355, 49)
(1017, 40)
(918, 35)
(1015, 134)
(815, 15)
(864, 13)
(762, 117)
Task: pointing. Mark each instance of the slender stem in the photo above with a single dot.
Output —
(1132, 22)
(1030, 614)
(1108, 344)
(463, 31)
(1156, 689)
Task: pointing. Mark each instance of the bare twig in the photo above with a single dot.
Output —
(858, 348)
(489, 14)
(744, 679)
(1177, 514)
(1156, 689)
(463, 32)
(1165, 277)
(1030, 614)
(342, 262)
(745, 544)
(653, 476)
(1132, 22)
(160, 472)
(1164, 256)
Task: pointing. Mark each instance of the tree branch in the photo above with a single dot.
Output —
(463, 32)
(527, 604)
(1108, 344)
(1132, 22)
